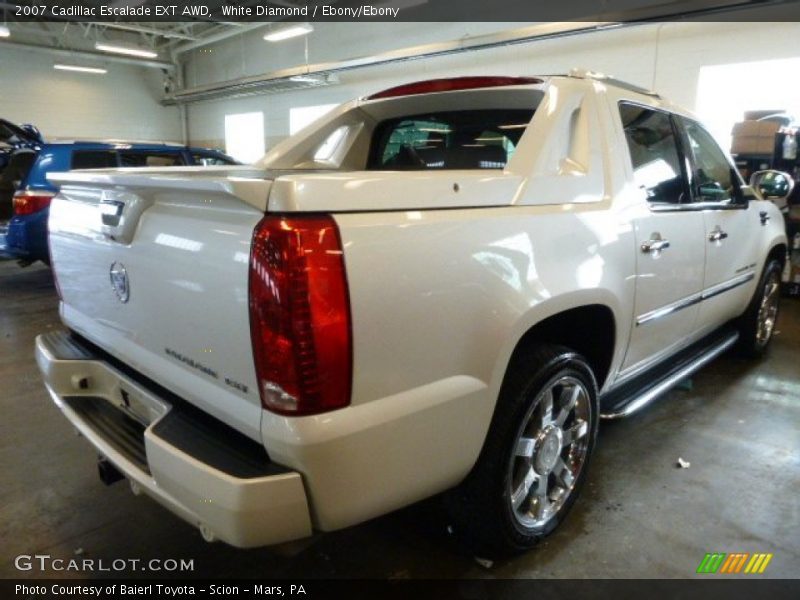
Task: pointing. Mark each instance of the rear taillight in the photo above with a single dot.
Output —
(300, 315)
(27, 202)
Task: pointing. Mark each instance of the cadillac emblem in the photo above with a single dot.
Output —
(119, 281)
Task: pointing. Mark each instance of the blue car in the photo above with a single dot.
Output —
(25, 192)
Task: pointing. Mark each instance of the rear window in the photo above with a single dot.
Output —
(94, 159)
(210, 160)
(468, 139)
(130, 158)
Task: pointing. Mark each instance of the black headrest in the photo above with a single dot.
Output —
(476, 157)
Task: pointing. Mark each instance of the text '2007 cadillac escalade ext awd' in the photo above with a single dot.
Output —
(438, 288)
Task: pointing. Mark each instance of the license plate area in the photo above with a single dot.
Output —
(137, 405)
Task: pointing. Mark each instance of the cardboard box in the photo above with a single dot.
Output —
(754, 137)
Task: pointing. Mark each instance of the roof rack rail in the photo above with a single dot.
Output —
(596, 75)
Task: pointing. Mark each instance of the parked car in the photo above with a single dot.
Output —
(17, 144)
(439, 288)
(17, 137)
(25, 192)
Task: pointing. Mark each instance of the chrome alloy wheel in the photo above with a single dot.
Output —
(768, 310)
(550, 450)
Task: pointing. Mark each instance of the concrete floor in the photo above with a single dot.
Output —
(639, 515)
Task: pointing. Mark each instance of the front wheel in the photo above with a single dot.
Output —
(535, 457)
(757, 324)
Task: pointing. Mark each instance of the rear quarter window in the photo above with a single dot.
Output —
(134, 158)
(471, 139)
(93, 159)
(210, 160)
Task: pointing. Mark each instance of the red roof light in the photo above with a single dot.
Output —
(452, 84)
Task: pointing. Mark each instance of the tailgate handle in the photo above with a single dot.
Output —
(111, 212)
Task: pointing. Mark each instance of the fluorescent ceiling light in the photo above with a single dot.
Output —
(290, 31)
(122, 49)
(4, 31)
(80, 69)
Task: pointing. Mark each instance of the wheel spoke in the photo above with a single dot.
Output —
(773, 290)
(519, 495)
(563, 474)
(767, 312)
(542, 506)
(568, 400)
(546, 408)
(525, 447)
(574, 433)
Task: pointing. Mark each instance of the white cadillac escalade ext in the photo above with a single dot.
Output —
(438, 288)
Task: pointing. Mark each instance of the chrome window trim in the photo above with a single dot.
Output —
(663, 207)
(688, 301)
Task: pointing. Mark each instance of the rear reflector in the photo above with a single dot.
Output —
(29, 201)
(300, 315)
(452, 84)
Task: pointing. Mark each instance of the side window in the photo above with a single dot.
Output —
(208, 160)
(94, 159)
(654, 153)
(135, 158)
(713, 174)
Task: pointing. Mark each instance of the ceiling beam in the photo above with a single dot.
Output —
(165, 33)
(482, 42)
(95, 56)
(216, 37)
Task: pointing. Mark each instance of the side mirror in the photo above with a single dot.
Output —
(772, 185)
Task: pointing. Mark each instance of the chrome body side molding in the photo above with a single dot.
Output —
(716, 290)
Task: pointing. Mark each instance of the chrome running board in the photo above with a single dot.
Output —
(643, 389)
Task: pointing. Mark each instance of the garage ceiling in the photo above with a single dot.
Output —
(72, 38)
(172, 38)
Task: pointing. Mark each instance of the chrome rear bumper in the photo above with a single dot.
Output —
(208, 474)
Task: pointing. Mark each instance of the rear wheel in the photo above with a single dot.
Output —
(535, 457)
(757, 324)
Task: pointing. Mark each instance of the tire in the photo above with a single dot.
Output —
(757, 323)
(528, 475)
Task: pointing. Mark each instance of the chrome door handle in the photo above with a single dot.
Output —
(717, 235)
(655, 245)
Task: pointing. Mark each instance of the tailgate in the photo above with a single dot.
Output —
(154, 269)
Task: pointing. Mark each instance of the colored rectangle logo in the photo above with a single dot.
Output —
(734, 563)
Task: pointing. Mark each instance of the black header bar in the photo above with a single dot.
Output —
(468, 589)
(398, 10)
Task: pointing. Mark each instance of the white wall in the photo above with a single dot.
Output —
(666, 57)
(122, 104)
